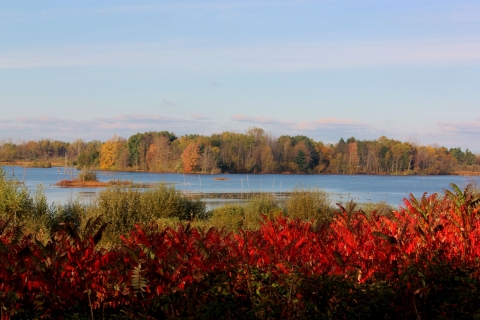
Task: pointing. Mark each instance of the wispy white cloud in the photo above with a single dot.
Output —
(137, 118)
(275, 57)
(260, 120)
(330, 130)
(302, 126)
(97, 128)
(199, 117)
(451, 134)
(324, 129)
(463, 128)
(40, 120)
(329, 123)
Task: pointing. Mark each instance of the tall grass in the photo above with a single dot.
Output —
(248, 216)
(15, 201)
(33, 213)
(304, 204)
(309, 204)
(122, 207)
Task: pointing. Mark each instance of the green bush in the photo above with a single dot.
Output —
(122, 207)
(87, 175)
(309, 204)
(73, 212)
(15, 200)
(230, 217)
(248, 216)
(259, 205)
(16, 203)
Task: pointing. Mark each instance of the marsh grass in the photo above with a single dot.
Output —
(124, 206)
(309, 204)
(15, 200)
(248, 216)
(32, 212)
(121, 207)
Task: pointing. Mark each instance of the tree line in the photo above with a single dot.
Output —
(254, 151)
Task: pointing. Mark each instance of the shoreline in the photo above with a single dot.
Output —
(234, 195)
(99, 184)
(465, 173)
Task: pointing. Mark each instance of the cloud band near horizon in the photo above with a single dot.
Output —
(328, 130)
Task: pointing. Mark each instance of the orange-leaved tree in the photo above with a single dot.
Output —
(190, 157)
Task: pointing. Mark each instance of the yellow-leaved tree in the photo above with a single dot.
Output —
(109, 152)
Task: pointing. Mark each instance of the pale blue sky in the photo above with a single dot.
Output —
(409, 70)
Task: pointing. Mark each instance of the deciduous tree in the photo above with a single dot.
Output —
(190, 158)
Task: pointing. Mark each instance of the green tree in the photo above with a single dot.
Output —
(300, 160)
(90, 154)
(133, 145)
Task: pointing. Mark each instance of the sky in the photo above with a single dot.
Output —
(408, 70)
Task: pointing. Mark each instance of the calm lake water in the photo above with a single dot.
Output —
(341, 188)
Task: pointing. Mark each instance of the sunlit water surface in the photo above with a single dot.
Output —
(341, 188)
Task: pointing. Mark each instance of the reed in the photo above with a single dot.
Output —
(248, 216)
(15, 200)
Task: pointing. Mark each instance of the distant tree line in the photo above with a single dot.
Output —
(251, 152)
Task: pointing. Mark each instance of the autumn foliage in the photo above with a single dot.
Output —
(109, 152)
(190, 158)
(422, 261)
(254, 151)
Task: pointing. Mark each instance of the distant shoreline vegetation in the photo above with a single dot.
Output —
(57, 165)
(251, 152)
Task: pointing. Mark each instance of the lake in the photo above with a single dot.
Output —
(341, 188)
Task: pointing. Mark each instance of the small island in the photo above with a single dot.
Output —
(77, 183)
(81, 184)
(88, 179)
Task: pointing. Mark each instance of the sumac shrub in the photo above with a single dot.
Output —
(421, 261)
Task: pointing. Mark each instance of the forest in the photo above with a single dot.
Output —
(254, 151)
